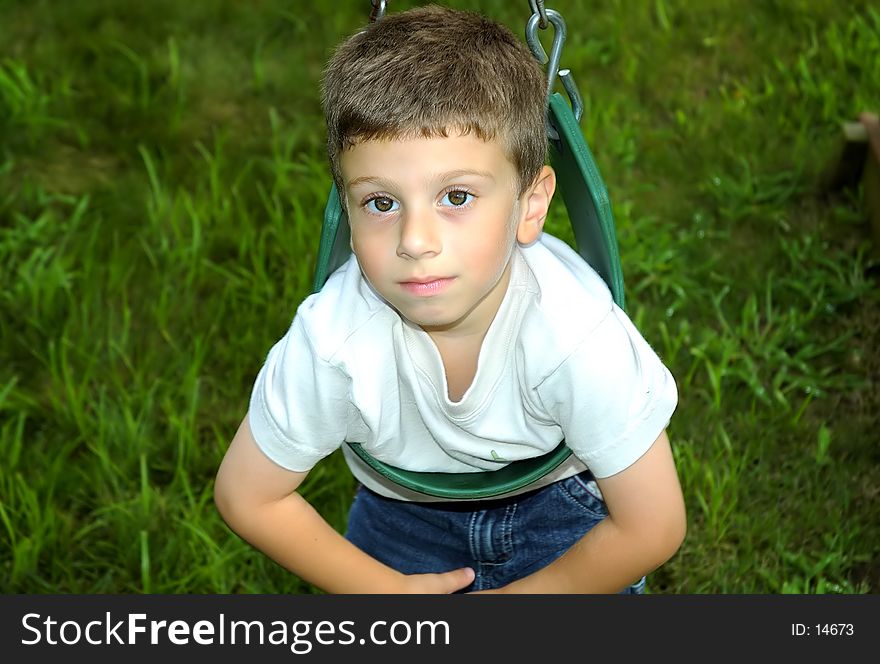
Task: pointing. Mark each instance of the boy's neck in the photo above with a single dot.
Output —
(472, 328)
(460, 344)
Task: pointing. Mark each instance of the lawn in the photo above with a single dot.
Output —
(162, 180)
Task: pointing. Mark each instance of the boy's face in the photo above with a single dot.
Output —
(433, 225)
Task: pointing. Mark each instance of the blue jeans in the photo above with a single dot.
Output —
(502, 540)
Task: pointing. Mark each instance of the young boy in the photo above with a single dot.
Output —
(457, 338)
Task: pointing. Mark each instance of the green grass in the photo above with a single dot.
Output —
(162, 179)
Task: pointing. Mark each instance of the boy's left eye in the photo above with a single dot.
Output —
(458, 198)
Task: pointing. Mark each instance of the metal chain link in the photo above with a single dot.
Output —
(537, 7)
(559, 34)
(377, 10)
(539, 14)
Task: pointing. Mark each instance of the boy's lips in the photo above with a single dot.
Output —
(426, 285)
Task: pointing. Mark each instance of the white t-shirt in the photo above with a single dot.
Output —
(560, 360)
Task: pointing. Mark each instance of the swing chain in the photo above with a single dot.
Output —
(559, 34)
(537, 7)
(539, 14)
(377, 10)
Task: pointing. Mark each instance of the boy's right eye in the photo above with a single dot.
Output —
(381, 205)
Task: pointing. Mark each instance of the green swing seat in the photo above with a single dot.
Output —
(589, 211)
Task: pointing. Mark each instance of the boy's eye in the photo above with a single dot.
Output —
(458, 198)
(380, 204)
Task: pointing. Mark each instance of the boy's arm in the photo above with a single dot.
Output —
(645, 526)
(257, 498)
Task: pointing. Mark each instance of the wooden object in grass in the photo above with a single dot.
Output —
(871, 173)
(859, 161)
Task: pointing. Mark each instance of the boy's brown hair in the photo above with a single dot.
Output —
(426, 71)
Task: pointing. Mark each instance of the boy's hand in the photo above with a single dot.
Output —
(439, 584)
(645, 527)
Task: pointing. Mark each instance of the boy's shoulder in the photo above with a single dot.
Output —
(571, 299)
(575, 332)
(344, 307)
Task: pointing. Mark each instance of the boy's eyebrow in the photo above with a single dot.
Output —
(374, 179)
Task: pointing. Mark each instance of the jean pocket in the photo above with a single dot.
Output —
(583, 490)
(638, 588)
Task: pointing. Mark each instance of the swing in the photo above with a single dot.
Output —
(589, 211)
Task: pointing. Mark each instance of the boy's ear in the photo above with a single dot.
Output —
(536, 204)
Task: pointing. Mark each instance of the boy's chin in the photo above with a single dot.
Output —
(430, 321)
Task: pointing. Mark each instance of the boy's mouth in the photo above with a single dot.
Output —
(425, 286)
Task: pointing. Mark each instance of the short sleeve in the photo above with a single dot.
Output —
(612, 396)
(299, 403)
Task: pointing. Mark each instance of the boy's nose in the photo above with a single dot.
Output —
(419, 237)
